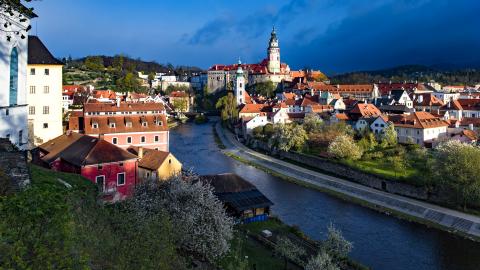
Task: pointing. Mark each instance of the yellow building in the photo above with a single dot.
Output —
(44, 93)
(154, 164)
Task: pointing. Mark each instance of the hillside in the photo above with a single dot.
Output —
(411, 73)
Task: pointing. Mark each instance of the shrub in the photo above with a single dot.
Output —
(343, 147)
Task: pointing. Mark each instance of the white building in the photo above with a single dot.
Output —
(446, 96)
(421, 128)
(239, 85)
(44, 94)
(13, 78)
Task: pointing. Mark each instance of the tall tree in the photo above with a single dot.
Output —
(288, 250)
(228, 106)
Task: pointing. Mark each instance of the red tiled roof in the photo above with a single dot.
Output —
(421, 120)
(178, 94)
(124, 107)
(470, 104)
(365, 110)
(253, 108)
(427, 100)
(152, 159)
(121, 123)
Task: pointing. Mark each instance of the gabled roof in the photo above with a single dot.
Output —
(38, 54)
(365, 110)
(152, 159)
(81, 150)
(452, 105)
(420, 120)
(253, 108)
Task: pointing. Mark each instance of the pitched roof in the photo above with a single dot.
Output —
(152, 159)
(421, 120)
(38, 54)
(252, 108)
(156, 122)
(365, 110)
(80, 150)
(124, 107)
(426, 99)
(236, 192)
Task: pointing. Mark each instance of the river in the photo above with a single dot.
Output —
(380, 241)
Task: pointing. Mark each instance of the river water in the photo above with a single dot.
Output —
(380, 241)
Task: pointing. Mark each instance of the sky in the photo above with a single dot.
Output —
(334, 36)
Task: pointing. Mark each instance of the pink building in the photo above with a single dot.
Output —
(125, 124)
(111, 168)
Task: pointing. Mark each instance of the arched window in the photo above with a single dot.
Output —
(13, 77)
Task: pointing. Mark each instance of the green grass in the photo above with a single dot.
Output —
(381, 168)
(42, 176)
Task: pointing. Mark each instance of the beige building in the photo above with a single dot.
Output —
(154, 164)
(44, 93)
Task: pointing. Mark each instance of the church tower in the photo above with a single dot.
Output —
(273, 53)
(239, 85)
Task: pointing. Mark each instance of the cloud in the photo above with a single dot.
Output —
(250, 26)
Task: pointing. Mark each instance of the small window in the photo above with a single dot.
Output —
(100, 181)
(20, 137)
(129, 124)
(94, 125)
(121, 179)
(156, 138)
(142, 139)
(32, 71)
(45, 125)
(46, 89)
(32, 89)
(47, 71)
(100, 166)
(129, 139)
(7, 112)
(31, 110)
(112, 125)
(120, 164)
(170, 161)
(114, 140)
(46, 110)
(144, 124)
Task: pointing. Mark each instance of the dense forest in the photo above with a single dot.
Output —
(411, 73)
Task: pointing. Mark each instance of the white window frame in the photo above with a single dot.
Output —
(124, 179)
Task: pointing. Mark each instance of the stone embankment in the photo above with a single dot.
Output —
(423, 212)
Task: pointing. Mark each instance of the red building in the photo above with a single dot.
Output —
(125, 124)
(112, 168)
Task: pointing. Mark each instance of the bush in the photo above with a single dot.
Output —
(343, 147)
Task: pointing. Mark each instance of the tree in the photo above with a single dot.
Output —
(180, 104)
(14, 12)
(151, 77)
(344, 147)
(456, 167)
(335, 244)
(94, 63)
(389, 136)
(128, 83)
(266, 89)
(312, 122)
(118, 61)
(258, 132)
(288, 250)
(397, 163)
(286, 137)
(368, 142)
(268, 130)
(201, 224)
(322, 261)
(228, 106)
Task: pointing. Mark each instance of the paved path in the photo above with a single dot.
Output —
(446, 218)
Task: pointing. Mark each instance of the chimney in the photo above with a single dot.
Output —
(470, 126)
(118, 102)
(140, 152)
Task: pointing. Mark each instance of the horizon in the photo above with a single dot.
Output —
(206, 33)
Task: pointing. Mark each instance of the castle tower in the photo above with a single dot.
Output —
(239, 85)
(273, 53)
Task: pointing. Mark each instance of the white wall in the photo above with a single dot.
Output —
(16, 120)
(53, 99)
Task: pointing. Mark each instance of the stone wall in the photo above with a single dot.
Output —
(337, 169)
(13, 165)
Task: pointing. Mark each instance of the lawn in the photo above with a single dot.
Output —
(382, 168)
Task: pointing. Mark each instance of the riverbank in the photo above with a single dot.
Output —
(428, 214)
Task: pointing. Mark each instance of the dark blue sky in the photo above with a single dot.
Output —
(330, 35)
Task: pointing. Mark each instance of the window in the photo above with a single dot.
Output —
(20, 137)
(94, 125)
(13, 77)
(32, 89)
(47, 71)
(7, 112)
(120, 179)
(142, 139)
(46, 110)
(112, 125)
(45, 125)
(31, 110)
(240, 86)
(100, 181)
(120, 164)
(114, 140)
(32, 71)
(100, 166)
(129, 139)
(46, 89)
(170, 161)
(156, 138)
(144, 124)
(129, 124)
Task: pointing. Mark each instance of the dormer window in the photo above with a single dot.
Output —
(144, 124)
(112, 125)
(95, 125)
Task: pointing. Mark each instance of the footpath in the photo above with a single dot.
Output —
(422, 212)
